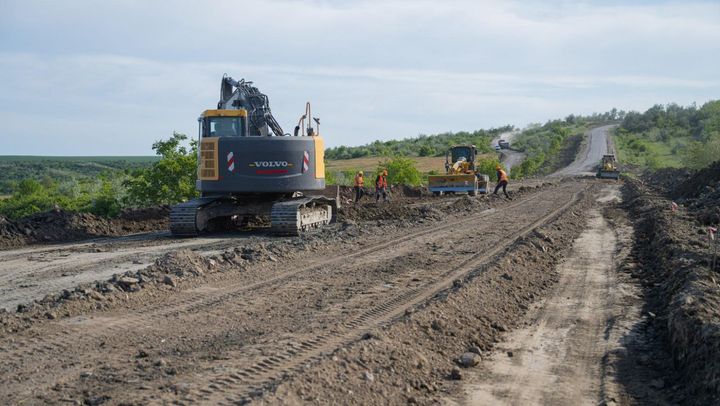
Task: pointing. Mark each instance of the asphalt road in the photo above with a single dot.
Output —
(587, 161)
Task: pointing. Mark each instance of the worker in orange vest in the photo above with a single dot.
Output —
(502, 181)
(381, 186)
(359, 183)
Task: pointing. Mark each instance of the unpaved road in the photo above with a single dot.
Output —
(559, 358)
(231, 337)
(508, 157)
(588, 159)
(30, 273)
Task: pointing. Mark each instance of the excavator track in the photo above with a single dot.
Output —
(295, 216)
(184, 217)
(289, 217)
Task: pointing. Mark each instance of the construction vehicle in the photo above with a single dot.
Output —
(248, 167)
(461, 174)
(504, 144)
(608, 168)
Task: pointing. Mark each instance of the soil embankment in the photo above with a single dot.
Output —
(673, 262)
(61, 226)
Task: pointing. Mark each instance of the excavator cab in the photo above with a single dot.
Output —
(223, 123)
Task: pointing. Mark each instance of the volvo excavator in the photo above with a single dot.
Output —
(248, 166)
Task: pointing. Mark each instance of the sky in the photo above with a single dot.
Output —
(82, 77)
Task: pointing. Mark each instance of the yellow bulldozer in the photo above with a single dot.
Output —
(461, 174)
(608, 168)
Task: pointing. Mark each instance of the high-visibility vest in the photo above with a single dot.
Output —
(503, 175)
(380, 182)
(359, 181)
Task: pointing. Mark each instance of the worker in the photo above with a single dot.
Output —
(502, 180)
(381, 186)
(359, 183)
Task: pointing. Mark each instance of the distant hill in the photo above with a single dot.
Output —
(420, 146)
(14, 168)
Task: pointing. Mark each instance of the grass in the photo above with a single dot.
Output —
(651, 153)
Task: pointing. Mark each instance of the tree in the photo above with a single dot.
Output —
(401, 170)
(171, 179)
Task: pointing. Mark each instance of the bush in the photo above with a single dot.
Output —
(486, 166)
(401, 170)
(171, 179)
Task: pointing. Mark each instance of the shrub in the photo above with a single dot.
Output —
(401, 170)
(171, 179)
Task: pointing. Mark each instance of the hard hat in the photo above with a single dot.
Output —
(498, 166)
(360, 173)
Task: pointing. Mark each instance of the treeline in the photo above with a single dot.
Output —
(422, 145)
(169, 179)
(671, 135)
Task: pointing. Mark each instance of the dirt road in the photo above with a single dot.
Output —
(31, 273)
(559, 358)
(508, 157)
(233, 336)
(587, 161)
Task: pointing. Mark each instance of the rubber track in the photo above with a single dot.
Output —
(242, 385)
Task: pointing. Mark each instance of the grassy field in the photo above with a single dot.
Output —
(65, 169)
(651, 153)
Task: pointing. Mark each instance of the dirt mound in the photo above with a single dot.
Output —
(59, 225)
(698, 190)
(683, 293)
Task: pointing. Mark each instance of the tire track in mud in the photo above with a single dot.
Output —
(242, 384)
(110, 326)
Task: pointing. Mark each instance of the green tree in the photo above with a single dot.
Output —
(401, 170)
(171, 179)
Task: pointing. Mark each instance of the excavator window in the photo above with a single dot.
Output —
(224, 127)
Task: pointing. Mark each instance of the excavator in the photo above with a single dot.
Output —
(461, 174)
(249, 167)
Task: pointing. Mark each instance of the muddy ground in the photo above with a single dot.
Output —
(549, 298)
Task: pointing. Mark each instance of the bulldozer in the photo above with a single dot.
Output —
(461, 174)
(249, 167)
(608, 168)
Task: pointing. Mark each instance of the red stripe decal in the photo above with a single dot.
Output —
(270, 171)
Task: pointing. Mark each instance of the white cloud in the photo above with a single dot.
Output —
(126, 73)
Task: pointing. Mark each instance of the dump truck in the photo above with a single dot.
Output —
(461, 174)
(248, 167)
(608, 168)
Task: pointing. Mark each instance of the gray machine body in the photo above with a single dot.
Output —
(251, 165)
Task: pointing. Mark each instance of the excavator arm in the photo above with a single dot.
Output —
(241, 94)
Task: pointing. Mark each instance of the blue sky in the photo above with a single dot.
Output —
(111, 77)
